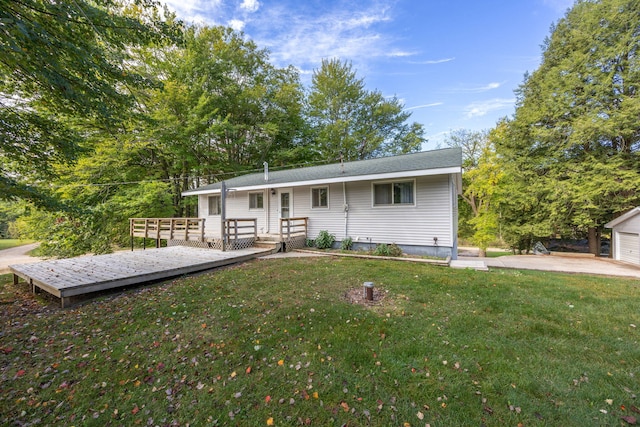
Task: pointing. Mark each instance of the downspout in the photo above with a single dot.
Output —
(267, 217)
(345, 206)
(223, 214)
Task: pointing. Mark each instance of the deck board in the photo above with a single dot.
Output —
(65, 278)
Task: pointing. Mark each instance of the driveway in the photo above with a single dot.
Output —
(561, 263)
(17, 255)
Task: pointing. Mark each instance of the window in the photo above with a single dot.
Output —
(393, 193)
(256, 200)
(320, 197)
(214, 205)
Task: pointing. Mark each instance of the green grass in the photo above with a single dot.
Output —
(276, 340)
(10, 243)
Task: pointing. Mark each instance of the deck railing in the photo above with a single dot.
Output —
(187, 229)
(292, 227)
(241, 228)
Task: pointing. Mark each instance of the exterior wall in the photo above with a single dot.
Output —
(632, 225)
(428, 227)
(626, 241)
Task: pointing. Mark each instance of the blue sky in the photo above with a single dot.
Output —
(453, 63)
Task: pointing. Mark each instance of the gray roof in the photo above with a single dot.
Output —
(348, 171)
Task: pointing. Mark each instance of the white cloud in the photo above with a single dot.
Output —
(482, 108)
(476, 89)
(250, 5)
(434, 104)
(400, 54)
(236, 24)
(197, 11)
(305, 38)
(433, 61)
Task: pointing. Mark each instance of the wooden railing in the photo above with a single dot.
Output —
(291, 227)
(167, 228)
(241, 228)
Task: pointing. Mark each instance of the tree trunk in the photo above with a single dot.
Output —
(594, 241)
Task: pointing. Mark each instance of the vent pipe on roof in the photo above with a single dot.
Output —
(266, 171)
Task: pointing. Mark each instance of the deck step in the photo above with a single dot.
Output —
(268, 244)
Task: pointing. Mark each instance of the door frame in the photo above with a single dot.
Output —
(281, 191)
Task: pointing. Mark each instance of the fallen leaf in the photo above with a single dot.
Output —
(248, 370)
(345, 406)
(270, 421)
(280, 362)
(267, 399)
(135, 410)
(629, 419)
(420, 415)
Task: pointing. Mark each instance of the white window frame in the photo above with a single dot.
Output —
(256, 194)
(392, 204)
(218, 205)
(324, 187)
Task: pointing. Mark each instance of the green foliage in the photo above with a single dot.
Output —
(224, 108)
(346, 244)
(573, 143)
(351, 123)
(324, 240)
(95, 229)
(64, 71)
(392, 250)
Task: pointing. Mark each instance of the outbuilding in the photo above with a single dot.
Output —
(625, 237)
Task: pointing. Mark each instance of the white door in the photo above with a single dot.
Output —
(628, 248)
(286, 203)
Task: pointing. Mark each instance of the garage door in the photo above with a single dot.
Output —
(629, 248)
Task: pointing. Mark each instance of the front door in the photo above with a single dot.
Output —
(285, 203)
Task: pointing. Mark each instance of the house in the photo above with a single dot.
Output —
(625, 237)
(409, 200)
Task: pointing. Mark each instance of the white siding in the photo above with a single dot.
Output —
(431, 216)
(408, 225)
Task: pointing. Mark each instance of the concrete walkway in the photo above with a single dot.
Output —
(17, 255)
(564, 264)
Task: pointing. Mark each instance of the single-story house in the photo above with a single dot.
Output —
(625, 237)
(410, 200)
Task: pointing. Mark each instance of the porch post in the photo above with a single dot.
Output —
(223, 214)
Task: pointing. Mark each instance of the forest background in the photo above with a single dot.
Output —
(110, 109)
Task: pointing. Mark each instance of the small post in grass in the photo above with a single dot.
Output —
(368, 291)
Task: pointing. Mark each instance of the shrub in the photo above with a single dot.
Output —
(383, 249)
(346, 244)
(310, 243)
(325, 240)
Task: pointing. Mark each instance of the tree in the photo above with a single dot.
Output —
(575, 135)
(351, 123)
(481, 179)
(64, 70)
(224, 109)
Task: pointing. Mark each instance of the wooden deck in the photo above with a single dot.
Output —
(68, 278)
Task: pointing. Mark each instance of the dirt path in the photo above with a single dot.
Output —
(17, 255)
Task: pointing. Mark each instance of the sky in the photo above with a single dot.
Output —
(454, 64)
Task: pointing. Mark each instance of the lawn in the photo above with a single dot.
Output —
(10, 243)
(276, 342)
